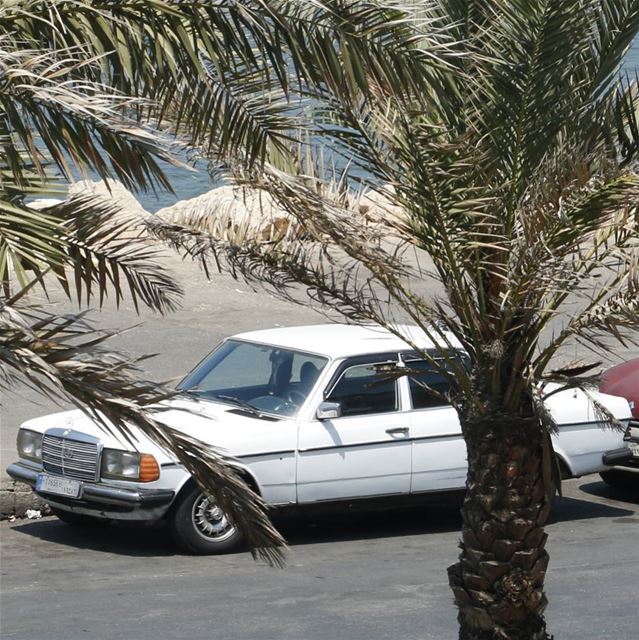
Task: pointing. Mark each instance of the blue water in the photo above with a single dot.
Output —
(189, 184)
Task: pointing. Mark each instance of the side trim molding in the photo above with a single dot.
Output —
(443, 436)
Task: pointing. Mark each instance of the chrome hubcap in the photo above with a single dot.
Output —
(210, 521)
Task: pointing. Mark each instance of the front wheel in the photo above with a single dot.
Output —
(199, 526)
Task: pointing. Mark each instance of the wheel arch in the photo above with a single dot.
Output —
(564, 466)
(188, 483)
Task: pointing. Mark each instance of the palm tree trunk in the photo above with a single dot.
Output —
(498, 580)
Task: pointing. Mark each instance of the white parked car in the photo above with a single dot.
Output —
(311, 414)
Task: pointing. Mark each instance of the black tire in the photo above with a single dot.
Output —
(200, 527)
(75, 519)
(616, 478)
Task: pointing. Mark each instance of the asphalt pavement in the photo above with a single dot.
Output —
(356, 576)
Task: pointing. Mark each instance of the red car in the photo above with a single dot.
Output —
(623, 380)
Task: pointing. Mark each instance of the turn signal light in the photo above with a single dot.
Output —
(149, 468)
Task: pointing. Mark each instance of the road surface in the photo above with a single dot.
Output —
(355, 576)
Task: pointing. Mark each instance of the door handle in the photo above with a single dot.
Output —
(396, 431)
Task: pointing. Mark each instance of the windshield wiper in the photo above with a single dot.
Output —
(240, 403)
(190, 392)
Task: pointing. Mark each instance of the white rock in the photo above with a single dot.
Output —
(232, 213)
(112, 191)
(43, 203)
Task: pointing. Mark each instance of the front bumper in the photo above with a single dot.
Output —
(106, 499)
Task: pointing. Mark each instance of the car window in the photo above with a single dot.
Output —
(266, 377)
(305, 369)
(422, 380)
(365, 389)
(237, 365)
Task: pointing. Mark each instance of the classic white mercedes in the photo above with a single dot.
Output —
(308, 415)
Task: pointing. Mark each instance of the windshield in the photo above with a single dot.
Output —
(262, 377)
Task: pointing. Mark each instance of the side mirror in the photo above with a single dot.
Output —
(328, 411)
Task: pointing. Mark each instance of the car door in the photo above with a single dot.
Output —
(366, 451)
(438, 449)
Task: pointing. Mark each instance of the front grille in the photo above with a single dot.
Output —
(70, 458)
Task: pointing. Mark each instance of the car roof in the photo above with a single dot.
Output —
(343, 340)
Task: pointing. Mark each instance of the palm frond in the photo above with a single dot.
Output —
(27, 242)
(106, 248)
(617, 22)
(91, 237)
(346, 274)
(83, 125)
(518, 201)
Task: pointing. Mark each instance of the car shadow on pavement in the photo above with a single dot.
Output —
(139, 541)
(568, 509)
(628, 493)
(319, 526)
(313, 527)
(325, 525)
(305, 526)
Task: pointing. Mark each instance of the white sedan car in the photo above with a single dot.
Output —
(311, 414)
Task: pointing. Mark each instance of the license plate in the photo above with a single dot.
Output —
(634, 448)
(59, 486)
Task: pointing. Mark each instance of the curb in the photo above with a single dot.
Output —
(16, 498)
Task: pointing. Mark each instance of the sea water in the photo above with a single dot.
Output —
(189, 184)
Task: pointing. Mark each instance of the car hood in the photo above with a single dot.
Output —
(222, 426)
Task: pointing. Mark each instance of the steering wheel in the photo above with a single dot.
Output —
(268, 403)
(295, 397)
